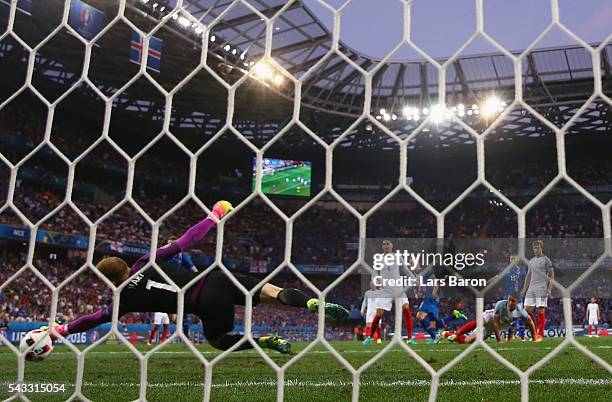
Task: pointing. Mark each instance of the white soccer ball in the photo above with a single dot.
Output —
(41, 350)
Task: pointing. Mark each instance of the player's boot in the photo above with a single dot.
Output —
(434, 341)
(459, 315)
(411, 342)
(449, 335)
(379, 341)
(334, 311)
(275, 343)
(367, 341)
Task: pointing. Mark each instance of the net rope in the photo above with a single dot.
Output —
(289, 220)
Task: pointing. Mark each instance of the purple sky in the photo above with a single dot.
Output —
(440, 27)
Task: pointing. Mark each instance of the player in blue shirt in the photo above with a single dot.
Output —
(428, 314)
(183, 260)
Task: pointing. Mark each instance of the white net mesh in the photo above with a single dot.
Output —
(182, 11)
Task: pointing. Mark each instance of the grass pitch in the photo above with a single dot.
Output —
(112, 374)
(287, 182)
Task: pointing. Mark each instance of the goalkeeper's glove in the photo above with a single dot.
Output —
(221, 208)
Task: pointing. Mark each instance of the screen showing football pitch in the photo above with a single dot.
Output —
(284, 177)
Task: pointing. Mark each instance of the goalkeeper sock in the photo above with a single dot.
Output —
(293, 297)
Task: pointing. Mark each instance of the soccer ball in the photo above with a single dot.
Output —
(41, 350)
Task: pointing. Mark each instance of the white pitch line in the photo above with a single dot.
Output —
(367, 383)
(212, 352)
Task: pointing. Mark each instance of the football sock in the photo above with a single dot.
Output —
(425, 324)
(533, 319)
(541, 322)
(408, 322)
(374, 326)
(164, 333)
(152, 334)
(376, 335)
(470, 326)
(186, 324)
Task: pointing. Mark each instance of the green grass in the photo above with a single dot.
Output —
(278, 184)
(112, 374)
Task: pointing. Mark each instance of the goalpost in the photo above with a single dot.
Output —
(289, 220)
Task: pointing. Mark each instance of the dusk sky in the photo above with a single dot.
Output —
(440, 27)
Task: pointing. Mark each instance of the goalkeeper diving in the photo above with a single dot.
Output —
(212, 298)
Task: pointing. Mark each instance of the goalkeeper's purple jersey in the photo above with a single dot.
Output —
(147, 291)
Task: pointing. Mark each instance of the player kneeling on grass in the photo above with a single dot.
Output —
(495, 320)
(212, 298)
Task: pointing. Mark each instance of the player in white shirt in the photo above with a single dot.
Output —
(538, 285)
(386, 296)
(495, 320)
(368, 310)
(593, 315)
(159, 319)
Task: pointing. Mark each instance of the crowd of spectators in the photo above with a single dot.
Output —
(322, 234)
(27, 299)
(326, 234)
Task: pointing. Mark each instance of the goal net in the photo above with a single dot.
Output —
(299, 81)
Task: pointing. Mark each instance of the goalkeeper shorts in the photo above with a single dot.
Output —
(218, 296)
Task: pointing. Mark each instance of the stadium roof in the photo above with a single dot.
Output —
(557, 81)
(300, 40)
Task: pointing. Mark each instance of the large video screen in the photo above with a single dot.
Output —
(284, 177)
